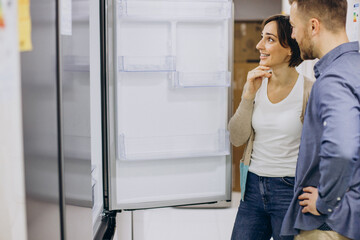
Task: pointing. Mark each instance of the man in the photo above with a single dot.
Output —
(326, 204)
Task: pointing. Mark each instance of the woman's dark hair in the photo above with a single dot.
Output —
(284, 30)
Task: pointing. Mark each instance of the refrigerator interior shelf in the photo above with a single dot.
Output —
(73, 63)
(202, 79)
(167, 147)
(146, 64)
(174, 10)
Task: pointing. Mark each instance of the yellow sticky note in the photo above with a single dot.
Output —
(24, 22)
(2, 20)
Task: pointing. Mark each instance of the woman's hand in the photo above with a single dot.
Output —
(254, 80)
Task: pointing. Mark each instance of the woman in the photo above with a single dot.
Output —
(269, 118)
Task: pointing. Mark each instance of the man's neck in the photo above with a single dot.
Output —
(329, 40)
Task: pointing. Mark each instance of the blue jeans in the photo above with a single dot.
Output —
(266, 201)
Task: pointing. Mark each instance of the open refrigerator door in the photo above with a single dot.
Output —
(167, 93)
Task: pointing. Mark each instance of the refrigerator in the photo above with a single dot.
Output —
(161, 107)
(55, 92)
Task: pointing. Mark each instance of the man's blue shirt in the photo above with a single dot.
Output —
(329, 149)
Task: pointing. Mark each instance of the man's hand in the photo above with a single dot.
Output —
(309, 200)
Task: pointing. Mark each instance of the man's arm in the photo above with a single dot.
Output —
(339, 112)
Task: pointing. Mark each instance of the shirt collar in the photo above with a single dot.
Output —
(326, 60)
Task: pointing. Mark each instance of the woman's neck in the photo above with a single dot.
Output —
(283, 75)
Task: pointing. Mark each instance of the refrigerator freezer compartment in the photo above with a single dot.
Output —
(204, 79)
(174, 10)
(72, 63)
(146, 64)
(167, 147)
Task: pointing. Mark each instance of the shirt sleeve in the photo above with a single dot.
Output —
(240, 124)
(339, 112)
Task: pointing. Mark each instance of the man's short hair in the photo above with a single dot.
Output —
(331, 13)
(284, 35)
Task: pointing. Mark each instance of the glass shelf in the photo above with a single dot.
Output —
(203, 79)
(167, 147)
(73, 63)
(146, 64)
(174, 10)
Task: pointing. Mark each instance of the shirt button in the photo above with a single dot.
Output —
(339, 198)
(329, 210)
(324, 123)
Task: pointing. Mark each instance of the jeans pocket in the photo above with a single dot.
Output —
(290, 181)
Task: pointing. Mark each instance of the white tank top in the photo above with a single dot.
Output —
(277, 132)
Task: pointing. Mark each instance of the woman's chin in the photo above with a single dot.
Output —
(263, 63)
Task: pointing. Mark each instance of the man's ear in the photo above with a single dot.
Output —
(315, 26)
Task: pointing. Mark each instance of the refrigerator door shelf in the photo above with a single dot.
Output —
(149, 184)
(146, 64)
(170, 147)
(203, 79)
(182, 79)
(129, 203)
(174, 10)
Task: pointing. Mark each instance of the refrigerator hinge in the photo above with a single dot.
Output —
(106, 230)
(111, 213)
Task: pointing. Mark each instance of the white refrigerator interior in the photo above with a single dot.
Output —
(171, 103)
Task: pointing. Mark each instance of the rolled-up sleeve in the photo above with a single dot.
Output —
(339, 112)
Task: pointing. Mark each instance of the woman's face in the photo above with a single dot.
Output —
(271, 52)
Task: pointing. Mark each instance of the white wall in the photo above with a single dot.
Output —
(285, 6)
